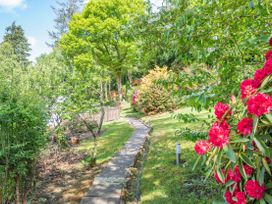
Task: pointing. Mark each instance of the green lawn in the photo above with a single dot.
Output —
(115, 135)
(162, 181)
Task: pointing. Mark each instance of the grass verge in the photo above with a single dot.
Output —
(115, 136)
(65, 178)
(162, 181)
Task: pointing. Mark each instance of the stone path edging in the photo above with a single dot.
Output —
(108, 184)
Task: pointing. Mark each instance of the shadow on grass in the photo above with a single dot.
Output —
(114, 137)
(163, 181)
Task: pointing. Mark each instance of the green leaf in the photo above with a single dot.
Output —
(220, 175)
(231, 154)
(269, 117)
(262, 147)
(196, 162)
(229, 183)
(240, 140)
(266, 166)
(268, 198)
(262, 201)
(208, 173)
(268, 185)
(266, 90)
(247, 160)
(255, 125)
(261, 176)
(242, 170)
(218, 159)
(265, 81)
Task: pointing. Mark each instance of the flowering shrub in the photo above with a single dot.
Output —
(152, 96)
(238, 150)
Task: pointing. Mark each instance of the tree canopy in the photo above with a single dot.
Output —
(15, 36)
(103, 36)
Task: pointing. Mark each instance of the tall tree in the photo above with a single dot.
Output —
(15, 36)
(64, 13)
(105, 33)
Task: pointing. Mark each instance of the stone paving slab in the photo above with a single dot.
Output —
(108, 184)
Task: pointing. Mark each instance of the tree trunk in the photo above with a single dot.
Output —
(109, 91)
(93, 162)
(18, 195)
(119, 86)
(101, 91)
(106, 91)
(101, 119)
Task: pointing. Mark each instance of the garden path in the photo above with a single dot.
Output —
(108, 184)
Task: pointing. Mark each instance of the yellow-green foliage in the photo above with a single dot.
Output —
(154, 95)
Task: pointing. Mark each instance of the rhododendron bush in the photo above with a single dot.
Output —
(238, 150)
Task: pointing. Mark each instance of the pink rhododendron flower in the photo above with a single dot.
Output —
(260, 104)
(134, 97)
(248, 88)
(219, 134)
(248, 169)
(235, 175)
(220, 109)
(268, 55)
(270, 41)
(202, 146)
(245, 126)
(241, 197)
(268, 67)
(259, 76)
(254, 189)
(228, 198)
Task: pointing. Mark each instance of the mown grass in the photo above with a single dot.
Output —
(162, 181)
(115, 135)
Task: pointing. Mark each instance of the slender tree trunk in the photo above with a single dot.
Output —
(93, 163)
(106, 91)
(101, 91)
(18, 194)
(119, 86)
(101, 119)
(109, 91)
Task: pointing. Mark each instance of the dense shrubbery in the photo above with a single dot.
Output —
(238, 151)
(152, 97)
(22, 129)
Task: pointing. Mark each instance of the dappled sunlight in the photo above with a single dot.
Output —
(161, 177)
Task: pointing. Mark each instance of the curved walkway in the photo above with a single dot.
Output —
(108, 184)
